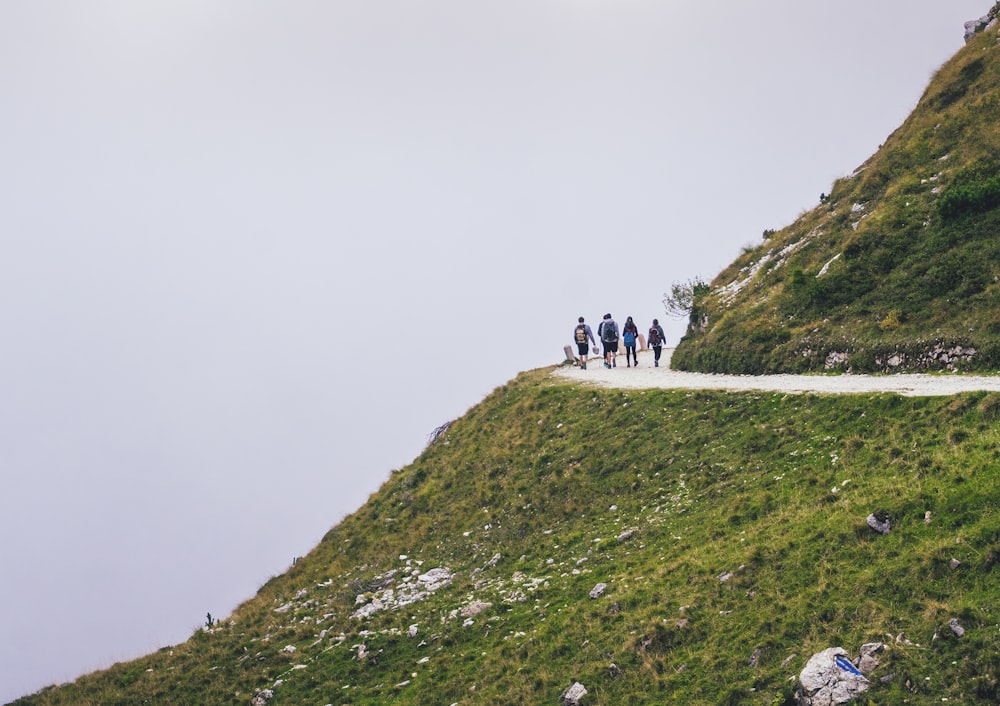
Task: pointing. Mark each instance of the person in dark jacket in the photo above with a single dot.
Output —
(581, 333)
(608, 333)
(655, 341)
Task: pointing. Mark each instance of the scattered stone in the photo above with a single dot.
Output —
(288, 648)
(887, 678)
(614, 671)
(954, 563)
(835, 358)
(572, 695)
(435, 578)
(754, 658)
(262, 697)
(615, 608)
(725, 576)
(598, 590)
(404, 594)
(869, 656)
(788, 659)
(828, 679)
(412, 632)
(493, 560)
(626, 535)
(927, 517)
(956, 628)
(880, 525)
(682, 623)
(474, 609)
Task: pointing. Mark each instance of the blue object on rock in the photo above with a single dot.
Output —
(846, 665)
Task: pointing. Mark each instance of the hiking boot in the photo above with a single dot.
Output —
(614, 362)
(656, 363)
(584, 366)
(607, 365)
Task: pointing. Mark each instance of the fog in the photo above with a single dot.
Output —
(255, 252)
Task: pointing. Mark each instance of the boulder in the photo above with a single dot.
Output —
(869, 656)
(882, 526)
(830, 678)
(262, 697)
(573, 694)
(956, 628)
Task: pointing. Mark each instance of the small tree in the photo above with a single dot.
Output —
(684, 300)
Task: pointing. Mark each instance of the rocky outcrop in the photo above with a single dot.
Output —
(987, 21)
(830, 678)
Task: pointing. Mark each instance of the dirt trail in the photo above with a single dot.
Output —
(647, 376)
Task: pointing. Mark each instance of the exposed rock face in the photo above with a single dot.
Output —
(974, 27)
(405, 593)
(830, 678)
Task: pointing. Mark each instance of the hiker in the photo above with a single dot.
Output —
(630, 334)
(581, 333)
(608, 333)
(655, 340)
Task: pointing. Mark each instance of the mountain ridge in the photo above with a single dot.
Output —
(646, 544)
(694, 546)
(896, 268)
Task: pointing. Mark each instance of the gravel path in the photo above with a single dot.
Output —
(647, 376)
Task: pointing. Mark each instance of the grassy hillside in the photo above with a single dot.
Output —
(897, 268)
(723, 524)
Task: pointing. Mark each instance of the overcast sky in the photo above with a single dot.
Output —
(253, 252)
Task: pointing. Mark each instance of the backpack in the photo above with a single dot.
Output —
(654, 337)
(581, 334)
(628, 338)
(609, 332)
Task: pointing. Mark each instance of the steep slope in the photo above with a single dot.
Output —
(729, 531)
(898, 268)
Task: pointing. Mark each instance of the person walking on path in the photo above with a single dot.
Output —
(655, 340)
(581, 334)
(630, 334)
(608, 333)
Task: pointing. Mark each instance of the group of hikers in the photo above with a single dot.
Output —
(608, 334)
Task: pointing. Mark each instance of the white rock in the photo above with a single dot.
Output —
(572, 695)
(830, 678)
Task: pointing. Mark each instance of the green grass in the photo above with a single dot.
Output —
(902, 256)
(547, 475)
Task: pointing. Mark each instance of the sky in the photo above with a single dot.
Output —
(253, 252)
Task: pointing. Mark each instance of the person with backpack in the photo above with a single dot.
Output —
(630, 333)
(608, 333)
(581, 334)
(655, 340)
